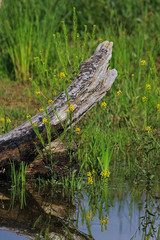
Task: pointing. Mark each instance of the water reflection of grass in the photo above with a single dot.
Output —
(95, 201)
(96, 205)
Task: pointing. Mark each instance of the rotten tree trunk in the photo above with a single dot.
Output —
(88, 88)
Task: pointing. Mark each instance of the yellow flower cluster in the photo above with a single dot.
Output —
(90, 179)
(50, 101)
(8, 120)
(144, 99)
(28, 116)
(143, 62)
(89, 215)
(104, 221)
(105, 173)
(158, 107)
(44, 120)
(77, 130)
(103, 105)
(132, 75)
(148, 128)
(71, 108)
(38, 92)
(41, 109)
(119, 92)
(62, 75)
(35, 124)
(2, 119)
(90, 176)
(148, 86)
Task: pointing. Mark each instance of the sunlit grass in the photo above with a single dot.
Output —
(120, 132)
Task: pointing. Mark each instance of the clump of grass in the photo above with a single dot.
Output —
(18, 181)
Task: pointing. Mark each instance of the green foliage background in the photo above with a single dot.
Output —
(27, 28)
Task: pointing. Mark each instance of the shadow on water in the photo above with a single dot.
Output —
(112, 210)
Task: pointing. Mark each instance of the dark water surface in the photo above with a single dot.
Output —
(115, 210)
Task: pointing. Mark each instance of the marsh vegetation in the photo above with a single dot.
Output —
(42, 44)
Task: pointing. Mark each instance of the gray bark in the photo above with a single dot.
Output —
(88, 88)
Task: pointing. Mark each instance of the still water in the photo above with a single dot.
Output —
(114, 210)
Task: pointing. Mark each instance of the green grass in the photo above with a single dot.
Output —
(31, 54)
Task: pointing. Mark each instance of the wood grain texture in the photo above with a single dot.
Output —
(88, 88)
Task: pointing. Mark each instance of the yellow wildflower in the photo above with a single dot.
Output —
(77, 130)
(8, 120)
(158, 107)
(44, 120)
(103, 105)
(105, 173)
(143, 62)
(35, 124)
(54, 36)
(89, 215)
(71, 108)
(41, 109)
(89, 174)
(119, 92)
(38, 92)
(46, 70)
(148, 128)
(50, 101)
(62, 75)
(28, 116)
(148, 86)
(2, 119)
(132, 75)
(144, 99)
(104, 221)
(90, 180)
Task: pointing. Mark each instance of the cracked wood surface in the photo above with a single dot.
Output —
(88, 88)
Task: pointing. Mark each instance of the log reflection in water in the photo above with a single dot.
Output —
(36, 217)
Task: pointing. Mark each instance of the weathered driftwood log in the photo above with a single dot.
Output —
(88, 88)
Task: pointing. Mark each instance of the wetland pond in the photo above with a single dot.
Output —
(116, 209)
